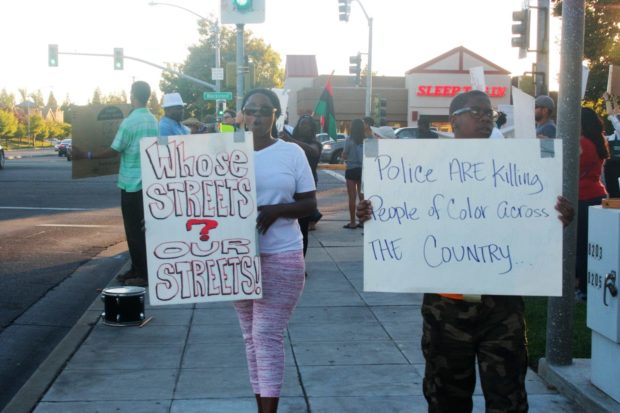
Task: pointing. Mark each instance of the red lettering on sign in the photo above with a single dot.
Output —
(452, 90)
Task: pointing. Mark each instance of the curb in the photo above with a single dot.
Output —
(28, 396)
(573, 382)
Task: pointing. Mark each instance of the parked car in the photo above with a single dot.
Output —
(332, 149)
(409, 132)
(62, 146)
(2, 157)
(69, 151)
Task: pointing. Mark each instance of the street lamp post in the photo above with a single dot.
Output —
(218, 63)
(344, 16)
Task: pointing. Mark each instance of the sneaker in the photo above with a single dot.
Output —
(136, 282)
(126, 275)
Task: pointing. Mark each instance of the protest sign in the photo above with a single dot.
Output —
(469, 216)
(93, 130)
(200, 218)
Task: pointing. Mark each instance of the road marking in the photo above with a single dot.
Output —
(76, 225)
(334, 174)
(48, 209)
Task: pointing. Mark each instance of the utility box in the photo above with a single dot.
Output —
(603, 309)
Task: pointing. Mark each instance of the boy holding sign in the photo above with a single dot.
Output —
(459, 329)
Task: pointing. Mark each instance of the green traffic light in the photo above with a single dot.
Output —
(52, 55)
(242, 5)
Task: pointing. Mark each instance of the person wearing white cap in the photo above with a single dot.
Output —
(545, 126)
(170, 124)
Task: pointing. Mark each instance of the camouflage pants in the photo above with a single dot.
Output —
(457, 332)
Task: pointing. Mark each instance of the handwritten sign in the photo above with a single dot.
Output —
(470, 216)
(93, 130)
(200, 218)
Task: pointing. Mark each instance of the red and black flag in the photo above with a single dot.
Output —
(325, 110)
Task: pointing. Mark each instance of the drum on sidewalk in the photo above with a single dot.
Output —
(123, 306)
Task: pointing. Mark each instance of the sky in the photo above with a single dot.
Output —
(406, 33)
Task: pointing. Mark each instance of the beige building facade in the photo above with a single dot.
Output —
(425, 90)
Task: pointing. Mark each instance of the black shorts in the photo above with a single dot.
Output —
(353, 174)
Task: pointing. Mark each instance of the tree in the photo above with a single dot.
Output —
(7, 100)
(201, 60)
(51, 101)
(115, 99)
(38, 128)
(601, 42)
(97, 98)
(154, 106)
(66, 107)
(8, 124)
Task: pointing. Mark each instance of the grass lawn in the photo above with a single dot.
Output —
(13, 144)
(536, 322)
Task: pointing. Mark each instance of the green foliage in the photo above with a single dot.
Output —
(154, 106)
(601, 42)
(201, 60)
(38, 127)
(52, 102)
(8, 123)
(536, 323)
(7, 100)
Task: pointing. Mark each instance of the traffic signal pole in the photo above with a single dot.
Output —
(542, 49)
(560, 309)
(167, 69)
(240, 63)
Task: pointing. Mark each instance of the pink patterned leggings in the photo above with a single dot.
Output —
(263, 321)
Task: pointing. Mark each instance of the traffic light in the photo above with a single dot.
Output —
(118, 58)
(220, 107)
(521, 28)
(382, 112)
(52, 55)
(344, 7)
(242, 5)
(356, 67)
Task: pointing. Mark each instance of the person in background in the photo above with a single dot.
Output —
(170, 124)
(285, 192)
(228, 121)
(612, 165)
(304, 135)
(195, 126)
(459, 329)
(543, 109)
(369, 121)
(352, 155)
(140, 123)
(592, 155)
(210, 122)
(424, 129)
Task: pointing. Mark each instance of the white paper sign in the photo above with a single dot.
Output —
(468, 216)
(476, 75)
(525, 124)
(585, 73)
(200, 218)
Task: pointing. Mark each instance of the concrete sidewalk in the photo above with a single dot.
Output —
(346, 350)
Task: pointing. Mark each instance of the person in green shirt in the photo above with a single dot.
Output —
(139, 124)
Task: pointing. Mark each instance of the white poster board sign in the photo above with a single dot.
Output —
(468, 216)
(200, 218)
(524, 108)
(476, 75)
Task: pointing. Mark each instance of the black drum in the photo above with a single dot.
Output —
(123, 306)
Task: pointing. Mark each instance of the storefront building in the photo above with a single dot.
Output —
(425, 90)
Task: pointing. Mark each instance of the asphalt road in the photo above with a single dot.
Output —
(60, 241)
